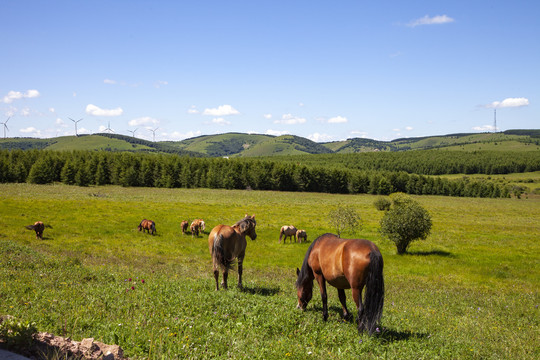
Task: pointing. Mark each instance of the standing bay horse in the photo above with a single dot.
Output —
(227, 243)
(344, 264)
(147, 225)
(38, 227)
(288, 231)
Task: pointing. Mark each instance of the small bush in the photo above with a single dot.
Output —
(343, 218)
(382, 204)
(405, 222)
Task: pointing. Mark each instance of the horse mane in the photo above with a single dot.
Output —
(244, 223)
(306, 272)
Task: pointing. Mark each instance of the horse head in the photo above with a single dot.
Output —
(304, 289)
(247, 226)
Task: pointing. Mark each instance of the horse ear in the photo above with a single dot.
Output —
(297, 271)
(253, 216)
(246, 215)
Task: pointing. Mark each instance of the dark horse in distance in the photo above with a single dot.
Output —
(344, 264)
(38, 227)
(227, 243)
(147, 225)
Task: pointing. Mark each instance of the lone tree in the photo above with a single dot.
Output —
(405, 222)
(343, 218)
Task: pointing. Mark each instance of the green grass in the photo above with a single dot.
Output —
(469, 291)
(93, 142)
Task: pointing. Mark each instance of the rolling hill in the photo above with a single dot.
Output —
(252, 145)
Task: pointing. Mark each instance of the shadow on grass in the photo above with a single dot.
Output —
(386, 335)
(429, 253)
(390, 335)
(260, 290)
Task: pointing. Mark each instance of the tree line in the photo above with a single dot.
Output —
(84, 168)
(429, 162)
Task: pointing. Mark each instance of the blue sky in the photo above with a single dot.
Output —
(325, 70)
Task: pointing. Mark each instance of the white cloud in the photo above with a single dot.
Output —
(160, 83)
(267, 116)
(25, 111)
(396, 130)
(109, 81)
(52, 110)
(276, 132)
(408, 128)
(222, 110)
(96, 111)
(28, 130)
(337, 120)
(435, 20)
(221, 121)
(193, 110)
(361, 134)
(180, 136)
(31, 130)
(301, 104)
(320, 137)
(143, 121)
(16, 95)
(509, 102)
(483, 128)
(289, 119)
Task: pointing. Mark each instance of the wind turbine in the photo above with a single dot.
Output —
(5, 126)
(75, 122)
(153, 133)
(108, 129)
(133, 132)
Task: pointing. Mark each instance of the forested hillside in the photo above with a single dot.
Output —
(381, 173)
(255, 145)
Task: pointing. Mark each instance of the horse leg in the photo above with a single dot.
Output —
(240, 270)
(225, 276)
(216, 277)
(357, 296)
(343, 301)
(324, 297)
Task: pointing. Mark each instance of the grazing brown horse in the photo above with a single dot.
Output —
(301, 234)
(288, 231)
(344, 264)
(147, 225)
(38, 227)
(184, 225)
(227, 243)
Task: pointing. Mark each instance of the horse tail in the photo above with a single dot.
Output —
(153, 226)
(281, 231)
(30, 227)
(374, 299)
(218, 253)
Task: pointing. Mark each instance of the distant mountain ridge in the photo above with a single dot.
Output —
(243, 145)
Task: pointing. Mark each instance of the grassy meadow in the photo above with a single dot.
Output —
(470, 291)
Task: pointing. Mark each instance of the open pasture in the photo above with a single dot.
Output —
(469, 291)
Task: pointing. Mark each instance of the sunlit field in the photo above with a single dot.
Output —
(470, 291)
